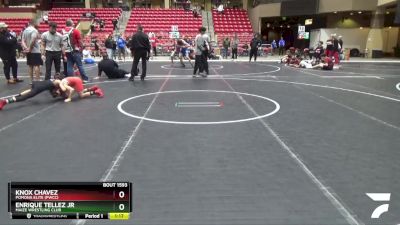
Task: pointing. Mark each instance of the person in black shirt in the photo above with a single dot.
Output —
(336, 49)
(114, 49)
(101, 25)
(318, 51)
(96, 48)
(140, 50)
(8, 47)
(254, 44)
(340, 40)
(108, 43)
(110, 68)
(115, 23)
(329, 46)
(92, 28)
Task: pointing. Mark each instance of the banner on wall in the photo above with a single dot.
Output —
(173, 35)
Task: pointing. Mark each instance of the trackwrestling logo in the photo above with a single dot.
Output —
(379, 197)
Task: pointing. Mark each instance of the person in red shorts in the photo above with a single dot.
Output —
(327, 63)
(69, 85)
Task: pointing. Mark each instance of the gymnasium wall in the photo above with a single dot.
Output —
(263, 10)
(356, 38)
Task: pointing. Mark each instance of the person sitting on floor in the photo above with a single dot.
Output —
(294, 61)
(327, 63)
(87, 56)
(307, 63)
(286, 58)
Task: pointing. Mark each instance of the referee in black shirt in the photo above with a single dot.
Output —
(140, 50)
(110, 68)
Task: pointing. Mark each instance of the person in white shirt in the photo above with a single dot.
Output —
(46, 18)
(87, 56)
(308, 64)
(220, 9)
(13, 33)
(87, 53)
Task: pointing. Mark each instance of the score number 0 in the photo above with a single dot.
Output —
(121, 206)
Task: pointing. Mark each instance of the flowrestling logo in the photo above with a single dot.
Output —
(379, 197)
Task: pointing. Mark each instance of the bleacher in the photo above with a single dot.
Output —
(60, 15)
(159, 21)
(230, 22)
(16, 24)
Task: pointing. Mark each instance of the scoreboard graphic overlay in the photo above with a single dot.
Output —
(70, 200)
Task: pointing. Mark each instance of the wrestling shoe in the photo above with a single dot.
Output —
(94, 88)
(99, 93)
(3, 102)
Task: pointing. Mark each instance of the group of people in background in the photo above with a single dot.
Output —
(49, 48)
(252, 48)
(67, 48)
(97, 25)
(234, 44)
(327, 58)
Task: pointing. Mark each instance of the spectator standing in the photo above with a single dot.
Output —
(226, 45)
(201, 50)
(101, 25)
(274, 46)
(73, 46)
(8, 47)
(154, 42)
(115, 47)
(336, 49)
(30, 44)
(341, 48)
(318, 51)
(96, 48)
(46, 18)
(115, 23)
(340, 39)
(121, 44)
(281, 45)
(19, 49)
(108, 43)
(329, 46)
(235, 44)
